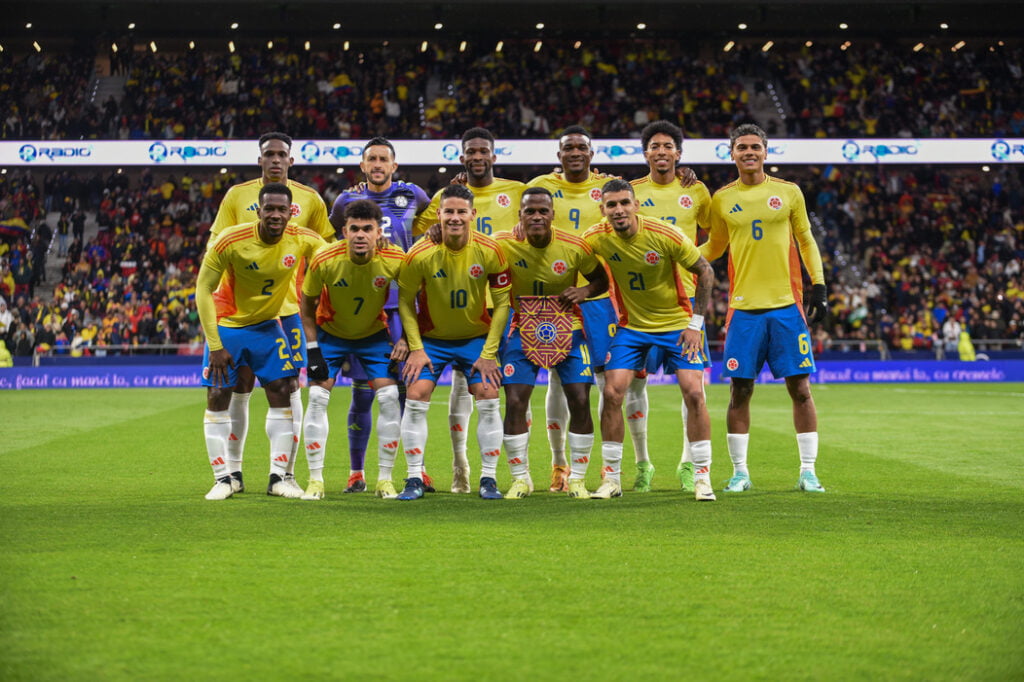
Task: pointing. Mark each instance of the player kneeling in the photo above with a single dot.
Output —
(343, 299)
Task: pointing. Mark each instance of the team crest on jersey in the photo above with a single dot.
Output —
(595, 194)
(504, 200)
(774, 202)
(508, 370)
(401, 201)
(732, 364)
(379, 282)
(686, 202)
(559, 267)
(476, 270)
(288, 261)
(652, 257)
(296, 210)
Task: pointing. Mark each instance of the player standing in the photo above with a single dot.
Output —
(763, 222)
(545, 265)
(577, 204)
(449, 281)
(240, 205)
(259, 261)
(399, 202)
(662, 196)
(350, 282)
(496, 201)
(643, 255)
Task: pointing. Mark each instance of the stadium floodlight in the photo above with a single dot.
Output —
(536, 48)
(742, 27)
(729, 45)
(131, 26)
(641, 26)
(438, 26)
(336, 26)
(501, 44)
(540, 26)
(35, 44)
(843, 26)
(767, 46)
(152, 46)
(462, 46)
(918, 47)
(577, 45)
(191, 44)
(270, 44)
(28, 25)
(809, 43)
(234, 26)
(346, 46)
(113, 47)
(307, 45)
(423, 46)
(231, 46)
(944, 26)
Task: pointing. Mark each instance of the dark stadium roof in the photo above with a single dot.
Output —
(62, 21)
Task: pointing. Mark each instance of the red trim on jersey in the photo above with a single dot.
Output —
(236, 237)
(324, 310)
(681, 297)
(426, 324)
(224, 296)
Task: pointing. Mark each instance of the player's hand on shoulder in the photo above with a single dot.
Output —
(461, 178)
(606, 176)
(433, 233)
(518, 232)
(358, 188)
(686, 176)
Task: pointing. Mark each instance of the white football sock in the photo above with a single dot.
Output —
(611, 461)
(414, 436)
(737, 443)
(517, 450)
(281, 434)
(557, 410)
(315, 429)
(296, 404)
(580, 445)
(238, 408)
(489, 433)
(701, 450)
(807, 444)
(636, 417)
(460, 409)
(389, 430)
(216, 429)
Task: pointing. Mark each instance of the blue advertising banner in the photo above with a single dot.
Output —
(838, 372)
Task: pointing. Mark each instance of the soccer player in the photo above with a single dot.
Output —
(643, 255)
(547, 263)
(259, 262)
(350, 282)
(496, 201)
(453, 327)
(399, 202)
(763, 221)
(240, 205)
(662, 196)
(577, 204)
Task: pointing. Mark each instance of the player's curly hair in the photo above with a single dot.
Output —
(364, 209)
(475, 133)
(747, 129)
(458, 192)
(663, 128)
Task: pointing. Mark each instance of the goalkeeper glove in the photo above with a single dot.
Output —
(818, 308)
(316, 366)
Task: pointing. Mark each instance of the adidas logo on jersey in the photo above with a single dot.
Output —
(649, 202)
(615, 257)
(341, 283)
(806, 363)
(736, 209)
(254, 206)
(252, 266)
(440, 273)
(558, 195)
(522, 263)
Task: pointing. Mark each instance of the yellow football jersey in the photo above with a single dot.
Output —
(649, 294)
(450, 287)
(767, 231)
(352, 295)
(548, 271)
(497, 208)
(308, 210)
(685, 207)
(577, 204)
(257, 276)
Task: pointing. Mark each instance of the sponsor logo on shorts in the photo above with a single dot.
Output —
(685, 201)
(508, 370)
(288, 261)
(732, 364)
(774, 202)
(476, 270)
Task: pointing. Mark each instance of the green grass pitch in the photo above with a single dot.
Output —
(911, 567)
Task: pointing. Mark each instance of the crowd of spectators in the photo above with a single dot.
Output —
(400, 91)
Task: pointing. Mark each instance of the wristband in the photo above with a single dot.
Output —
(696, 323)
(312, 345)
